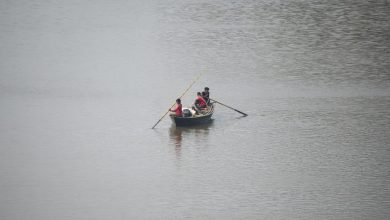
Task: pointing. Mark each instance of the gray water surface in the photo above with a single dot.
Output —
(82, 82)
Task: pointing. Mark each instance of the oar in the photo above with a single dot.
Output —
(197, 78)
(230, 107)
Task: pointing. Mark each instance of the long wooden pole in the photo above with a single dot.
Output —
(197, 78)
(230, 107)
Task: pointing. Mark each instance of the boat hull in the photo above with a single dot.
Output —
(192, 121)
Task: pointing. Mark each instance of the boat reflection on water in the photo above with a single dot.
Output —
(194, 135)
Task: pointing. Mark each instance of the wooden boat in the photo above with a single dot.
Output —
(203, 117)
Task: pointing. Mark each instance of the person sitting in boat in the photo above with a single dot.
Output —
(206, 95)
(200, 103)
(177, 109)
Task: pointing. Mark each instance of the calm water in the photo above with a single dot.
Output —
(82, 83)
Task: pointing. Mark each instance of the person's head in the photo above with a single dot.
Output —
(199, 94)
(178, 101)
(206, 89)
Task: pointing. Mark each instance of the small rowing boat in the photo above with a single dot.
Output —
(203, 117)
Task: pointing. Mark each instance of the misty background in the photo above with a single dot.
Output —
(82, 82)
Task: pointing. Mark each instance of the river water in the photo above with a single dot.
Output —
(82, 83)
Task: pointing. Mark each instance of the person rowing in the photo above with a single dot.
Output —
(177, 109)
(200, 103)
(206, 95)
